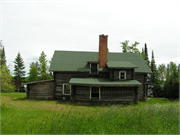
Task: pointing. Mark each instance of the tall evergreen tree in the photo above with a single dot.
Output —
(19, 71)
(2, 54)
(153, 67)
(143, 54)
(3, 57)
(153, 77)
(146, 55)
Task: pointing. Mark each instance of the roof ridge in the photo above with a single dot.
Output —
(73, 51)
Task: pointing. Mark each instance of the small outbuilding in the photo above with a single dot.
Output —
(41, 89)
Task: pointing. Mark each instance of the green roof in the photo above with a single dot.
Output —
(120, 64)
(78, 61)
(72, 61)
(40, 81)
(103, 82)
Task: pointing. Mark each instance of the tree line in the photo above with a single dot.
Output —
(162, 82)
(164, 79)
(10, 82)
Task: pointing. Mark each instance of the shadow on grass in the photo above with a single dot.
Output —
(19, 99)
(28, 99)
(151, 101)
(56, 101)
(77, 103)
(63, 102)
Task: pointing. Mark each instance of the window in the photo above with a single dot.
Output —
(95, 93)
(122, 75)
(94, 68)
(66, 89)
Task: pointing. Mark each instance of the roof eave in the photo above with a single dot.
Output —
(68, 71)
(40, 81)
(115, 85)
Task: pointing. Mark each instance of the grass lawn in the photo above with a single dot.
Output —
(20, 115)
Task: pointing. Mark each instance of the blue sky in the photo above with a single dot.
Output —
(30, 27)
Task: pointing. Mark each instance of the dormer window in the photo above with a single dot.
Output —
(122, 75)
(94, 68)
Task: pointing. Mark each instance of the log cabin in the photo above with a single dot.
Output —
(94, 76)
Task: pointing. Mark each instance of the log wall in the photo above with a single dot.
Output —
(128, 74)
(124, 94)
(114, 74)
(64, 77)
(103, 74)
(41, 90)
(141, 89)
(82, 92)
(117, 94)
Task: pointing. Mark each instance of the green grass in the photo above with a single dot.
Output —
(20, 115)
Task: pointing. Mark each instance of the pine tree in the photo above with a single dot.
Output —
(2, 54)
(153, 66)
(19, 71)
(143, 54)
(154, 76)
(146, 55)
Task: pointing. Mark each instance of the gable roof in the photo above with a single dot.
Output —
(78, 61)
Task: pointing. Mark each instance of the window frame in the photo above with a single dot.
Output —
(97, 68)
(99, 91)
(64, 87)
(120, 75)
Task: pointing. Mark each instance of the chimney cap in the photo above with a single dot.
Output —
(103, 35)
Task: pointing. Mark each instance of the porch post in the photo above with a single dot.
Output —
(90, 92)
(73, 91)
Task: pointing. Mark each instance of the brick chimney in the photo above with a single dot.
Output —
(103, 50)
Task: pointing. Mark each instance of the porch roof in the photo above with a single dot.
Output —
(39, 81)
(102, 82)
